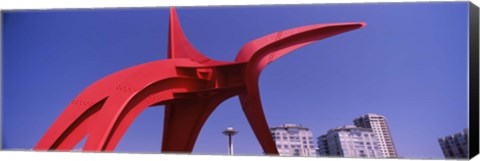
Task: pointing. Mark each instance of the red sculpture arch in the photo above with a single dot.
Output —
(189, 84)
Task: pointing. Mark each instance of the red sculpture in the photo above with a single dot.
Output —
(190, 86)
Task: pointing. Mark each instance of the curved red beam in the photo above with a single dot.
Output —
(189, 84)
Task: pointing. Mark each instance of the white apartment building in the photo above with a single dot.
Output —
(293, 140)
(349, 141)
(379, 126)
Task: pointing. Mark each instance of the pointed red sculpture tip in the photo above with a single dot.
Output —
(363, 24)
(178, 44)
(172, 11)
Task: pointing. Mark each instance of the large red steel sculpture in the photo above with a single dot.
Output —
(189, 84)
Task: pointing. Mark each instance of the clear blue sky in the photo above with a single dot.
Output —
(409, 64)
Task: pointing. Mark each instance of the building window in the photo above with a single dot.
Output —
(296, 152)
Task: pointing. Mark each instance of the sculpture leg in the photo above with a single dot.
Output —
(253, 110)
(184, 120)
(69, 129)
(107, 120)
(72, 125)
(145, 99)
(78, 130)
(112, 120)
(125, 120)
(180, 120)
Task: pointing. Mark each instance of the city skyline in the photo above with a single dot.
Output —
(384, 68)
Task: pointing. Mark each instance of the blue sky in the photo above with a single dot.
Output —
(409, 64)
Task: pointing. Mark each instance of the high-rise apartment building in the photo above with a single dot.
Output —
(293, 140)
(349, 141)
(379, 126)
(455, 146)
